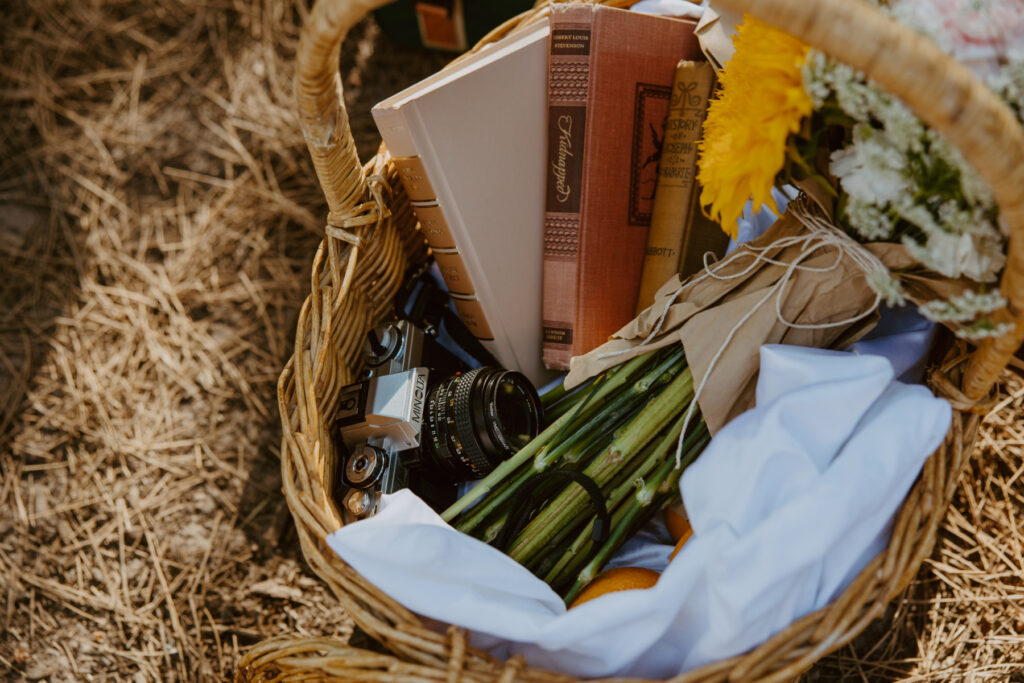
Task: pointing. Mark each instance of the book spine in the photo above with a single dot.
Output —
(568, 89)
(673, 213)
(433, 224)
(449, 261)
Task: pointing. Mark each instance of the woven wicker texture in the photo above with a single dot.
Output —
(371, 241)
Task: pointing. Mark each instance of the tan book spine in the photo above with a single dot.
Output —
(435, 229)
(673, 213)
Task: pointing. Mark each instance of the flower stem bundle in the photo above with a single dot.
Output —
(620, 434)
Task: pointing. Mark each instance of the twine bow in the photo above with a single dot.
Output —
(821, 235)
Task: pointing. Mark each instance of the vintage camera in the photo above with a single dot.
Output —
(421, 420)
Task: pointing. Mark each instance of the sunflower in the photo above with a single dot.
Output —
(762, 100)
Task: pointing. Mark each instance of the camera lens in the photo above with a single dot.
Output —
(477, 419)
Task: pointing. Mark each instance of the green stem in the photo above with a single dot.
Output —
(556, 545)
(656, 455)
(651, 420)
(570, 399)
(596, 441)
(621, 409)
(584, 539)
(611, 383)
(494, 528)
(551, 397)
(632, 520)
(692, 449)
(584, 443)
(495, 498)
(575, 557)
(666, 446)
(595, 446)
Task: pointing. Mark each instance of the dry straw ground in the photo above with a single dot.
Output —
(157, 218)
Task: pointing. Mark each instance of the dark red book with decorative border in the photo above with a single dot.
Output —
(609, 82)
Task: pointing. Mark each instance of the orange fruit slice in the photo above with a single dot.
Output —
(677, 525)
(681, 542)
(618, 579)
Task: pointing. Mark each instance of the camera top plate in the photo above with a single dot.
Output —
(386, 411)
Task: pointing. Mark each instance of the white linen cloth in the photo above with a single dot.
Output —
(673, 8)
(788, 502)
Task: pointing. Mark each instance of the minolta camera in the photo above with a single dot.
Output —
(422, 421)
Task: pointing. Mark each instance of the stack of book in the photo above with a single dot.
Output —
(552, 173)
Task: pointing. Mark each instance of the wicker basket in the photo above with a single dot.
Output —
(372, 238)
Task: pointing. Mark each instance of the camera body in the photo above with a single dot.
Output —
(422, 420)
(380, 421)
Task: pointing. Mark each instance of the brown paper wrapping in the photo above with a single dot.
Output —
(708, 309)
(714, 31)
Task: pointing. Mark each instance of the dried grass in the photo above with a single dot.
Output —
(157, 218)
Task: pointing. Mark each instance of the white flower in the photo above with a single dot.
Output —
(861, 99)
(883, 283)
(967, 307)
(856, 97)
(871, 169)
(815, 77)
(973, 219)
(900, 124)
(984, 329)
(975, 189)
(918, 215)
(963, 307)
(977, 257)
(1009, 83)
(956, 243)
(868, 219)
(901, 178)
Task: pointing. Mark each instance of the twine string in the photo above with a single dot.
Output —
(821, 235)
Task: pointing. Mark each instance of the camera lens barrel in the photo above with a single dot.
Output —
(478, 419)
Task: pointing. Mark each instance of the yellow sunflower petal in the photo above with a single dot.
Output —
(761, 102)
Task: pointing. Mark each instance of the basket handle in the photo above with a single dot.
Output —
(321, 106)
(946, 96)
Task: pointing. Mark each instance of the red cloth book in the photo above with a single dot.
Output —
(609, 81)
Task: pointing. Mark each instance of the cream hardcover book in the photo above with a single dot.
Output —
(470, 145)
